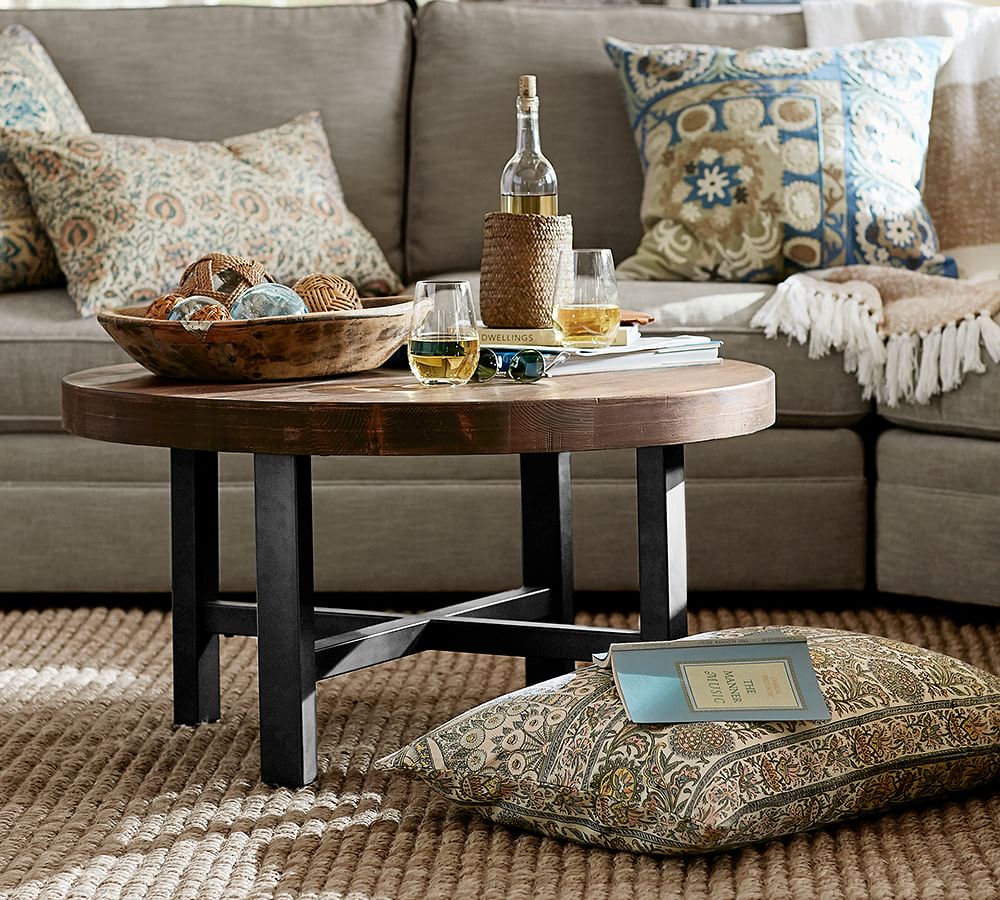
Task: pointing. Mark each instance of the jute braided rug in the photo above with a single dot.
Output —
(101, 797)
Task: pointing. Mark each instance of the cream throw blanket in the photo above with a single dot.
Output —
(907, 336)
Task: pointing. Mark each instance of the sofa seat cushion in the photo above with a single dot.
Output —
(812, 393)
(771, 455)
(42, 339)
(937, 516)
(782, 509)
(970, 410)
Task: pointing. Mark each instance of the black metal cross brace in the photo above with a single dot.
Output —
(300, 643)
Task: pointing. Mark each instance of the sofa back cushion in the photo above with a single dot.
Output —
(464, 85)
(206, 73)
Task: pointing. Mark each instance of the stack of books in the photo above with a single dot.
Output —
(630, 351)
(543, 338)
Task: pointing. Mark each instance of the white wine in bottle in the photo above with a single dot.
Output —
(528, 183)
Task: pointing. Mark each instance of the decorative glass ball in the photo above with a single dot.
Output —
(268, 300)
(185, 309)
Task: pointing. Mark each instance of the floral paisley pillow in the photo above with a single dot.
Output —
(561, 758)
(33, 97)
(760, 163)
(127, 214)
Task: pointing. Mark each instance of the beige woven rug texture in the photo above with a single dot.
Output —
(101, 797)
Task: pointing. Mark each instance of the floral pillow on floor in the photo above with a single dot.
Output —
(33, 97)
(127, 214)
(561, 758)
(760, 163)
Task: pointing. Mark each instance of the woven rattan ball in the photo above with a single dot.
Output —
(210, 314)
(221, 277)
(161, 306)
(324, 293)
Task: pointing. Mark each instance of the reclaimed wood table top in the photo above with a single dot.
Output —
(387, 413)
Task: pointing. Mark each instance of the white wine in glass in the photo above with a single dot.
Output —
(443, 358)
(585, 312)
(586, 325)
(443, 346)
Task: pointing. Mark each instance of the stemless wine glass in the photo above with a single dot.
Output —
(585, 309)
(443, 347)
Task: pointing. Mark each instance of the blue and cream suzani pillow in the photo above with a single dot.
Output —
(763, 162)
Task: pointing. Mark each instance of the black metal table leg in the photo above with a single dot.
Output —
(286, 657)
(547, 544)
(194, 563)
(287, 649)
(662, 543)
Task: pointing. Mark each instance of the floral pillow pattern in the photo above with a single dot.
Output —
(745, 174)
(760, 163)
(33, 97)
(561, 758)
(127, 214)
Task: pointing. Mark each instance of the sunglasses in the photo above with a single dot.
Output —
(524, 366)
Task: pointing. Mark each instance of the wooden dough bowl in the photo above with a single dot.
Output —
(268, 349)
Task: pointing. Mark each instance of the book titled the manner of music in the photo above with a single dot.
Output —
(767, 676)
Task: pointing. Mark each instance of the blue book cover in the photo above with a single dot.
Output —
(751, 679)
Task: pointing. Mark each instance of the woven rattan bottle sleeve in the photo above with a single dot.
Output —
(520, 262)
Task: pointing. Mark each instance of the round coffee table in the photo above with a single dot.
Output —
(386, 413)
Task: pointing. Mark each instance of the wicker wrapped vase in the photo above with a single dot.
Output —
(519, 268)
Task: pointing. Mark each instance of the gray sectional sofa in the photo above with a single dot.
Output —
(837, 496)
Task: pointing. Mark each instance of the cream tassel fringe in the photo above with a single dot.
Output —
(950, 364)
(894, 369)
(989, 333)
(929, 379)
(901, 367)
(830, 317)
(969, 345)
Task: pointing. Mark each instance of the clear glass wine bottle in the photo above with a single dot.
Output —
(528, 183)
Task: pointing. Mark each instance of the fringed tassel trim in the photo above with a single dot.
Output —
(900, 368)
(919, 367)
(830, 316)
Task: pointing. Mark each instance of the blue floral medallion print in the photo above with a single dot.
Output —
(760, 163)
